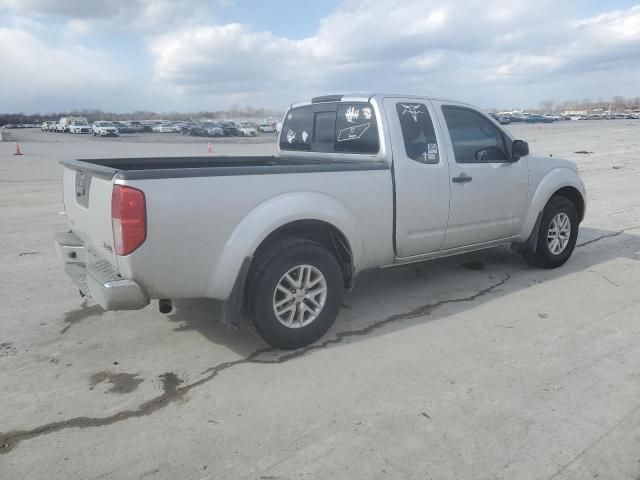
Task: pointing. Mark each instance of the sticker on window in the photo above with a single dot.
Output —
(352, 114)
(353, 133)
(412, 110)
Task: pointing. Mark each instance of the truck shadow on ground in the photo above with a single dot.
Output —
(387, 300)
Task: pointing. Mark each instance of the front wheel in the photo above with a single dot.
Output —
(294, 293)
(557, 234)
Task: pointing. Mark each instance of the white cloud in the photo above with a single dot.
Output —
(147, 16)
(487, 52)
(409, 45)
(35, 74)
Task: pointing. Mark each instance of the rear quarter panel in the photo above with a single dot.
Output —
(200, 229)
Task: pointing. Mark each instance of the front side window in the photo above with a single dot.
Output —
(475, 139)
(417, 131)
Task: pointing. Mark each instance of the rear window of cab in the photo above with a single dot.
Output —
(342, 127)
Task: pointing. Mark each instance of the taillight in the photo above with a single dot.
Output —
(129, 218)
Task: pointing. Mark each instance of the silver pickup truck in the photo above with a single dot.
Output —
(360, 182)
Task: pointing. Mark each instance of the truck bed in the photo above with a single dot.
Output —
(180, 167)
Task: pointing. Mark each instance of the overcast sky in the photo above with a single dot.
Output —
(163, 55)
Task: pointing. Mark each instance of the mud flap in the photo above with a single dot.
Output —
(233, 307)
(531, 244)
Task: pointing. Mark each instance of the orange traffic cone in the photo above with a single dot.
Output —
(209, 148)
(18, 151)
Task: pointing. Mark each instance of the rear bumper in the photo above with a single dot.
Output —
(98, 278)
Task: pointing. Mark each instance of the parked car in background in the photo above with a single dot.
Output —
(163, 128)
(136, 127)
(123, 127)
(195, 130)
(502, 119)
(147, 125)
(538, 119)
(48, 125)
(231, 129)
(178, 126)
(248, 129)
(266, 128)
(79, 126)
(213, 129)
(104, 129)
(63, 125)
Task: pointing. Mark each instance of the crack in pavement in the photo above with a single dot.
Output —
(607, 235)
(419, 311)
(173, 391)
(171, 384)
(577, 457)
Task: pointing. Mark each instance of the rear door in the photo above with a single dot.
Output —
(488, 191)
(87, 202)
(421, 175)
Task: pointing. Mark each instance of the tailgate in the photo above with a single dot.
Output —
(87, 202)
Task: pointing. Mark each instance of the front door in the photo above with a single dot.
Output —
(488, 191)
(421, 176)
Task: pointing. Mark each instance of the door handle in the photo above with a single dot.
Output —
(462, 178)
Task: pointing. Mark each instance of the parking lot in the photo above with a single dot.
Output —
(476, 366)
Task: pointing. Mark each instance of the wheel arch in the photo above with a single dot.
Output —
(575, 196)
(559, 181)
(311, 215)
(322, 232)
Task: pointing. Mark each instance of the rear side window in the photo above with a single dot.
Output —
(356, 129)
(297, 130)
(417, 131)
(475, 139)
(331, 127)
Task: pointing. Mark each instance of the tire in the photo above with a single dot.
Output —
(296, 257)
(544, 257)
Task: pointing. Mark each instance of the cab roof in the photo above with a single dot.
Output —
(365, 97)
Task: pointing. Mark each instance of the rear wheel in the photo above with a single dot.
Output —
(294, 293)
(557, 234)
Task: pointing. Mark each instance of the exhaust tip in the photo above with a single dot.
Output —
(165, 306)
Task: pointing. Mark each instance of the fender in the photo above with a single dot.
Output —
(268, 217)
(553, 181)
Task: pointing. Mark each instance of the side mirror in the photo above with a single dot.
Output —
(519, 149)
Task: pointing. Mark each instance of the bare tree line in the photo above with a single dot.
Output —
(92, 114)
(617, 103)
